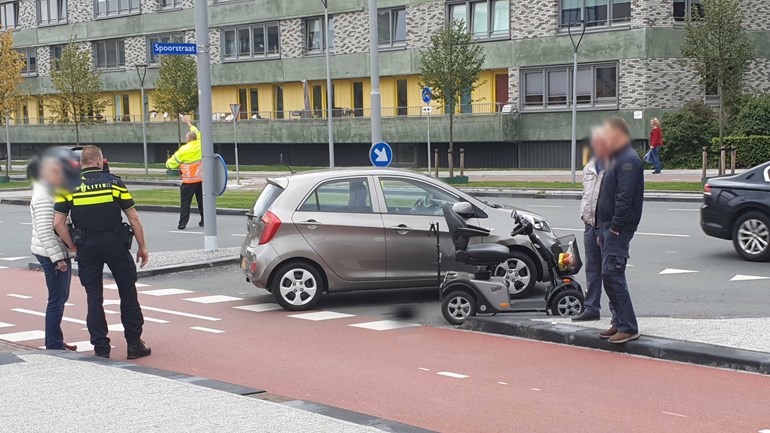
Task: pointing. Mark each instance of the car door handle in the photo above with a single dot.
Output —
(401, 229)
(311, 224)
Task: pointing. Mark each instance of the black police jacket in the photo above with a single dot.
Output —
(622, 193)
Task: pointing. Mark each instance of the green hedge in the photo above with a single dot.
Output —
(750, 151)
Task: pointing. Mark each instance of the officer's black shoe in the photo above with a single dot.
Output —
(586, 316)
(181, 227)
(200, 224)
(138, 350)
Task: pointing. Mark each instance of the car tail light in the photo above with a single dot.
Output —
(272, 224)
(706, 189)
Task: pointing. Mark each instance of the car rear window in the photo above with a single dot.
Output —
(266, 199)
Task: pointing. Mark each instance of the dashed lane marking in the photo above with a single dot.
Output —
(115, 286)
(13, 259)
(384, 325)
(423, 369)
(452, 375)
(3, 267)
(186, 232)
(26, 224)
(317, 316)
(18, 337)
(503, 383)
(238, 235)
(767, 430)
(201, 328)
(673, 271)
(669, 235)
(259, 308)
(166, 292)
(213, 299)
(5, 325)
(740, 277)
(16, 295)
(545, 206)
(42, 314)
(536, 389)
(675, 414)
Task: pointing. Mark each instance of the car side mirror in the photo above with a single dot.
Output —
(464, 209)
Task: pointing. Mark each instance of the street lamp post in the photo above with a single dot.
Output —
(575, 46)
(329, 91)
(141, 71)
(374, 59)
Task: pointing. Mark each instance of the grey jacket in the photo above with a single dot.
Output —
(592, 182)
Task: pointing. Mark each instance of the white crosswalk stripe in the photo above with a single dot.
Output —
(18, 337)
(16, 295)
(384, 325)
(115, 286)
(317, 316)
(166, 292)
(259, 308)
(210, 330)
(5, 325)
(213, 299)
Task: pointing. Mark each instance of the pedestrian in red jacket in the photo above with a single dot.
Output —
(656, 142)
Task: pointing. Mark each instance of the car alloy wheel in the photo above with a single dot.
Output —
(753, 236)
(298, 287)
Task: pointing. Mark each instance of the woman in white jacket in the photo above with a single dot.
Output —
(51, 252)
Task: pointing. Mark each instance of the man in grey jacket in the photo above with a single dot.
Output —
(593, 174)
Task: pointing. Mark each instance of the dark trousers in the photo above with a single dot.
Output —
(593, 263)
(96, 251)
(58, 284)
(615, 256)
(186, 193)
(656, 159)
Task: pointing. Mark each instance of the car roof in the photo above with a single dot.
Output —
(321, 174)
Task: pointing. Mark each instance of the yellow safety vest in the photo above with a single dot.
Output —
(188, 159)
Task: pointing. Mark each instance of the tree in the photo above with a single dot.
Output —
(719, 50)
(451, 68)
(753, 117)
(12, 94)
(78, 88)
(176, 91)
(687, 131)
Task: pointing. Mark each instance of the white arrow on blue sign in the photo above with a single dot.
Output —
(381, 155)
(427, 95)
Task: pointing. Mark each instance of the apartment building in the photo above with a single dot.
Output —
(269, 56)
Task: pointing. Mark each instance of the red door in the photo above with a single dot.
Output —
(501, 91)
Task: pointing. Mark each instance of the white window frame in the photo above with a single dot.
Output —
(170, 4)
(236, 56)
(610, 22)
(124, 7)
(596, 103)
(164, 37)
(27, 72)
(325, 35)
(392, 42)
(13, 8)
(688, 4)
(59, 5)
(490, 33)
(120, 45)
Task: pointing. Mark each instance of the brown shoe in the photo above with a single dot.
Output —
(70, 347)
(622, 337)
(608, 333)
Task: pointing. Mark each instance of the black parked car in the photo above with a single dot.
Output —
(737, 208)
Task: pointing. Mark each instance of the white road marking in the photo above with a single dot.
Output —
(767, 430)
(26, 224)
(185, 232)
(384, 325)
(670, 235)
(16, 295)
(154, 320)
(67, 304)
(684, 210)
(3, 267)
(18, 337)
(672, 271)
(317, 316)
(536, 389)
(259, 308)
(452, 375)
(180, 313)
(740, 277)
(675, 414)
(85, 346)
(503, 383)
(115, 286)
(13, 259)
(423, 369)
(118, 327)
(42, 314)
(5, 325)
(201, 328)
(165, 292)
(214, 299)
(114, 312)
(238, 235)
(544, 206)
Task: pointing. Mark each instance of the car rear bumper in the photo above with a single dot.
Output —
(712, 224)
(257, 263)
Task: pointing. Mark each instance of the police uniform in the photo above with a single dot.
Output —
(96, 209)
(188, 159)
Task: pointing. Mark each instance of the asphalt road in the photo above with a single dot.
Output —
(669, 242)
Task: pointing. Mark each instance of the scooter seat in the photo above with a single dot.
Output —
(487, 253)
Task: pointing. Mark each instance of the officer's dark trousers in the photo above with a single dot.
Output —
(96, 251)
(615, 256)
(186, 192)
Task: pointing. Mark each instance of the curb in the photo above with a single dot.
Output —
(224, 261)
(669, 349)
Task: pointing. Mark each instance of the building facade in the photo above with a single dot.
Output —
(269, 56)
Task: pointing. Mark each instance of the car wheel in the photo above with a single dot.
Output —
(567, 303)
(458, 306)
(751, 236)
(297, 286)
(520, 271)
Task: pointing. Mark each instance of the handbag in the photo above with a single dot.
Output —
(648, 157)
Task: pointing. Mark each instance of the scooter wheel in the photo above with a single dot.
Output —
(567, 303)
(458, 306)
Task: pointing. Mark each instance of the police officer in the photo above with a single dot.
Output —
(100, 237)
(618, 213)
(188, 160)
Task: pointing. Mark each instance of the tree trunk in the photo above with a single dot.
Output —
(179, 131)
(451, 153)
(77, 133)
(721, 129)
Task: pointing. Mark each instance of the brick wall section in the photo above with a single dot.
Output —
(513, 87)
(292, 38)
(215, 51)
(136, 51)
(657, 83)
(188, 4)
(149, 6)
(756, 14)
(351, 33)
(422, 20)
(27, 14)
(44, 61)
(80, 11)
(652, 13)
(534, 18)
(756, 80)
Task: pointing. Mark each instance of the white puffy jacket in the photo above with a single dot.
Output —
(592, 183)
(45, 242)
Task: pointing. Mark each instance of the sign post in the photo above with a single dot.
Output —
(427, 96)
(236, 110)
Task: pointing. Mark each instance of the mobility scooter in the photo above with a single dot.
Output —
(466, 294)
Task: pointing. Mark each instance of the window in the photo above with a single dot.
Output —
(316, 35)
(9, 15)
(30, 61)
(681, 7)
(484, 19)
(349, 196)
(170, 4)
(110, 54)
(51, 11)
(595, 13)
(257, 41)
(358, 99)
(40, 111)
(157, 39)
(392, 27)
(122, 108)
(318, 101)
(401, 98)
(254, 101)
(108, 8)
(411, 197)
(551, 88)
(279, 102)
(712, 92)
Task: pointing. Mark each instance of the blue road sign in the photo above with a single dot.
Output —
(173, 49)
(220, 174)
(427, 95)
(381, 155)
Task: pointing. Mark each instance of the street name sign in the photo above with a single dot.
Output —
(381, 155)
(174, 49)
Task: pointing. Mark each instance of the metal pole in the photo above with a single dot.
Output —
(237, 165)
(429, 155)
(144, 131)
(329, 102)
(8, 146)
(206, 125)
(374, 54)
(573, 147)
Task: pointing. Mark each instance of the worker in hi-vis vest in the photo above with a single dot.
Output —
(188, 159)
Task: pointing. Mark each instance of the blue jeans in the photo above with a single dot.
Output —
(58, 292)
(593, 263)
(614, 259)
(656, 159)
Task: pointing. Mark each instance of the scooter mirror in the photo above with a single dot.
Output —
(515, 215)
(464, 209)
